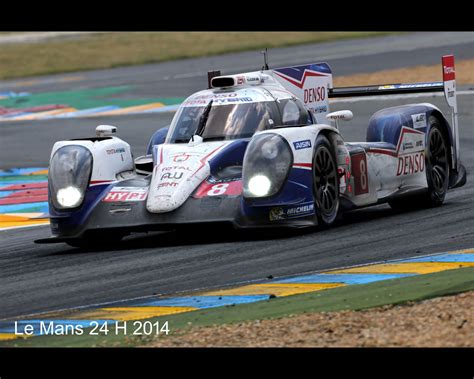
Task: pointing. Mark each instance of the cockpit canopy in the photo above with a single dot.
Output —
(234, 114)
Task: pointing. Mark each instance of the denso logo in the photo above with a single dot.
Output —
(302, 144)
(411, 164)
(316, 94)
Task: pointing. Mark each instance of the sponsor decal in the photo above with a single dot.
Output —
(299, 145)
(321, 109)
(280, 213)
(234, 100)
(176, 168)
(337, 117)
(276, 214)
(449, 73)
(419, 120)
(313, 95)
(181, 157)
(115, 151)
(122, 194)
(167, 184)
(207, 189)
(218, 100)
(449, 70)
(411, 164)
(253, 78)
(172, 175)
(215, 95)
(304, 209)
(407, 145)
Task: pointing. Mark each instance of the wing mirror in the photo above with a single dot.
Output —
(344, 115)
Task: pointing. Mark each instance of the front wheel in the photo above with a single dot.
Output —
(325, 182)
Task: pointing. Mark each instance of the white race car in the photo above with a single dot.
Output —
(257, 149)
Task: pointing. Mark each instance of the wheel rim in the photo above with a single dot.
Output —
(325, 179)
(438, 161)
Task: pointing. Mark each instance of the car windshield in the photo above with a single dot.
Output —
(229, 121)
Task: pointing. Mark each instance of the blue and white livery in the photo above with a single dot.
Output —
(257, 149)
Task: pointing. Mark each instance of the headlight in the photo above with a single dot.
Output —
(69, 197)
(69, 173)
(267, 162)
(259, 185)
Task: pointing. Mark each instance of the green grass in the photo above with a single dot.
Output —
(106, 50)
(84, 98)
(354, 297)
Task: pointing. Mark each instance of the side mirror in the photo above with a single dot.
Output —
(344, 115)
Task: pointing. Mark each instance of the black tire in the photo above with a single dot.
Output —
(325, 182)
(437, 172)
(437, 165)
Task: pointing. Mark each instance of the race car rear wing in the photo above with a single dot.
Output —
(386, 89)
(448, 86)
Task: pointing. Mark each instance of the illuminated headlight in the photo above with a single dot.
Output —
(259, 185)
(267, 162)
(69, 197)
(68, 177)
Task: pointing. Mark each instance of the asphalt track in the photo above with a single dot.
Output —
(40, 278)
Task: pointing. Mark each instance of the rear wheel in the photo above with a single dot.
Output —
(325, 182)
(437, 166)
(437, 172)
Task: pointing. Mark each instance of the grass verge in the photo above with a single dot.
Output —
(354, 297)
(107, 50)
(432, 73)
